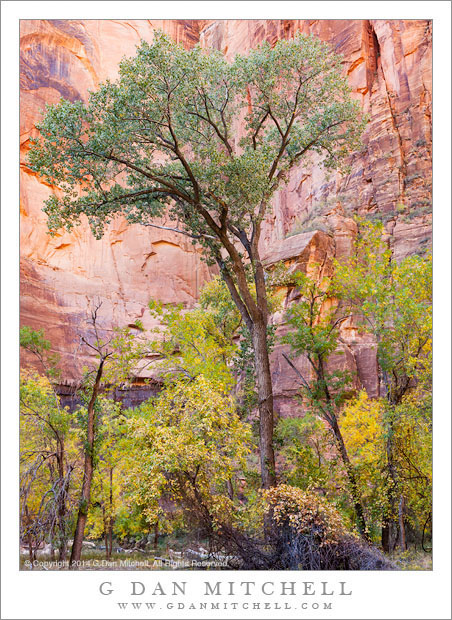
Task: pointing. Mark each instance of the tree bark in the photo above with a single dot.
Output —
(87, 474)
(386, 536)
(265, 404)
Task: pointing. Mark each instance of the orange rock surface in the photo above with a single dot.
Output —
(388, 64)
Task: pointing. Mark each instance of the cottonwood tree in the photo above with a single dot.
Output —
(314, 332)
(392, 301)
(90, 391)
(110, 474)
(207, 143)
(47, 450)
(48, 459)
(365, 430)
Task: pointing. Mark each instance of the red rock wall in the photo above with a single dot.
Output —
(389, 68)
(131, 264)
(388, 64)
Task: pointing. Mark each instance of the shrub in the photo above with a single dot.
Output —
(309, 533)
(303, 532)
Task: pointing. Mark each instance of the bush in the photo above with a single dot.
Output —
(308, 533)
(304, 532)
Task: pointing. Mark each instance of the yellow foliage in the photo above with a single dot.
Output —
(190, 442)
(306, 513)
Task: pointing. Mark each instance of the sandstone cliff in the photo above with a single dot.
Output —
(389, 67)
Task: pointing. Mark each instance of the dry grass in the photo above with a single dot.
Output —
(413, 560)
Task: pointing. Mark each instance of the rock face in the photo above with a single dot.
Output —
(388, 64)
(61, 276)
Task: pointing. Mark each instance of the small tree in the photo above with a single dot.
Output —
(110, 474)
(364, 427)
(48, 459)
(190, 442)
(392, 301)
(184, 133)
(314, 333)
(120, 351)
(45, 434)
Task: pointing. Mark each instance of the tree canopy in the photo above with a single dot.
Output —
(186, 130)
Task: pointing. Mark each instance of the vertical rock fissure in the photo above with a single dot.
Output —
(402, 168)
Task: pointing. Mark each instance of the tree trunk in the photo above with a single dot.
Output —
(62, 546)
(265, 404)
(109, 537)
(402, 524)
(106, 532)
(255, 315)
(87, 475)
(386, 536)
(389, 528)
(83, 510)
(330, 417)
(62, 549)
(360, 520)
(109, 540)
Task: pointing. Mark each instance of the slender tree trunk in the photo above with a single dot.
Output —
(360, 519)
(105, 520)
(331, 419)
(109, 546)
(265, 404)
(29, 537)
(62, 546)
(386, 535)
(82, 511)
(62, 549)
(87, 475)
(402, 524)
(389, 528)
(156, 534)
(230, 488)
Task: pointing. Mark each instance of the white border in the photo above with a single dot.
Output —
(376, 595)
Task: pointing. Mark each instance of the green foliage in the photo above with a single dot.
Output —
(163, 139)
(36, 343)
(387, 442)
(189, 442)
(393, 302)
(33, 340)
(215, 298)
(163, 135)
(109, 496)
(41, 405)
(314, 332)
(366, 426)
(303, 444)
(192, 344)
